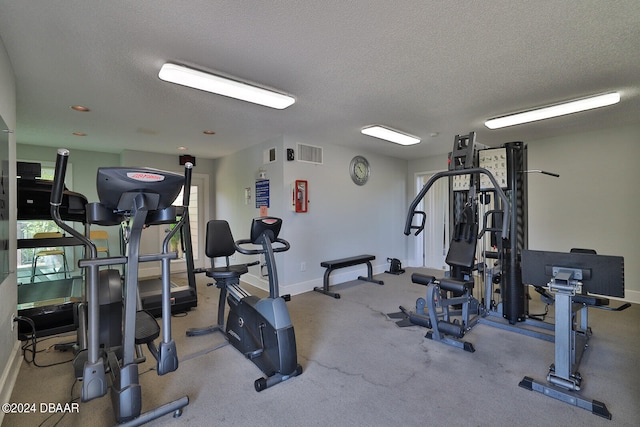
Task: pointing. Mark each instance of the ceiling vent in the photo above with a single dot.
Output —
(309, 154)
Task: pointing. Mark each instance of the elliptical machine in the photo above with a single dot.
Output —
(137, 197)
(260, 329)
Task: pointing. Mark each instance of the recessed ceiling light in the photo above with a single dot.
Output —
(181, 148)
(555, 110)
(223, 86)
(79, 134)
(80, 108)
(389, 134)
(208, 132)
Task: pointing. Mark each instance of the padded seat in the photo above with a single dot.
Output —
(227, 272)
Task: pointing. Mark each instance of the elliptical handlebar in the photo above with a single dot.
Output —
(58, 178)
(55, 200)
(186, 193)
(188, 169)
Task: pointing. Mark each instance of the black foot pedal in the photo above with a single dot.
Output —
(403, 316)
(253, 354)
(147, 328)
(467, 346)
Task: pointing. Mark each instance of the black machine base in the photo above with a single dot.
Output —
(596, 407)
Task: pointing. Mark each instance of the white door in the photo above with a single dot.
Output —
(153, 236)
(435, 237)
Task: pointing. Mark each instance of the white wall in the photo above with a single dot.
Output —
(343, 219)
(9, 345)
(595, 202)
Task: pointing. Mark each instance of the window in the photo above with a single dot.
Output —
(27, 229)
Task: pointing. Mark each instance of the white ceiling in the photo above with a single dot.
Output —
(424, 67)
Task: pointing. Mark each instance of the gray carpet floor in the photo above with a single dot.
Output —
(360, 369)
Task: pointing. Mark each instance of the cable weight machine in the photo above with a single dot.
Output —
(573, 282)
(507, 164)
(450, 309)
(488, 190)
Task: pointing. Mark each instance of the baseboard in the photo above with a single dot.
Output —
(9, 375)
(630, 296)
(294, 289)
(302, 287)
(255, 281)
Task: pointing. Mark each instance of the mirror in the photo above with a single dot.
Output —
(4, 200)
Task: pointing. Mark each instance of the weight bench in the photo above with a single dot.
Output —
(342, 263)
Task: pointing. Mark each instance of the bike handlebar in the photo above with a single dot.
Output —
(246, 251)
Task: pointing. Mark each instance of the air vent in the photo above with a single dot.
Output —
(269, 156)
(309, 154)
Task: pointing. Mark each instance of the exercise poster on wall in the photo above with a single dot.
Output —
(262, 193)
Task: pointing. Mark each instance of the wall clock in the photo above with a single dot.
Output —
(359, 170)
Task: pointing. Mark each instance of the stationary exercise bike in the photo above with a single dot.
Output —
(137, 197)
(260, 329)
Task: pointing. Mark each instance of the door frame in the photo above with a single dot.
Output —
(432, 227)
(201, 181)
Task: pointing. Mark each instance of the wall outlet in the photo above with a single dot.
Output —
(303, 266)
(13, 321)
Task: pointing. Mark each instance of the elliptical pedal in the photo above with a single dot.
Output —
(147, 328)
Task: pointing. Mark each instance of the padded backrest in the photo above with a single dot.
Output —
(219, 239)
(466, 228)
(462, 251)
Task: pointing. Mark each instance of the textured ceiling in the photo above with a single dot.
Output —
(424, 67)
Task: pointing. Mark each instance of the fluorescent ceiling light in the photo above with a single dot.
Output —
(556, 110)
(222, 86)
(388, 134)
